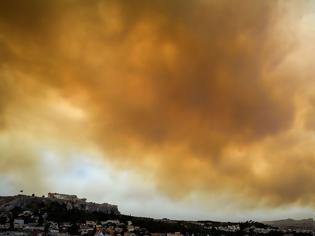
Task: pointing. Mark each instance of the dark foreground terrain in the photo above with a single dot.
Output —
(31, 215)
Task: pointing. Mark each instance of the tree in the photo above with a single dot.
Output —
(40, 220)
(3, 219)
(73, 229)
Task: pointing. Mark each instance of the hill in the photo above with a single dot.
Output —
(54, 206)
(62, 209)
(304, 224)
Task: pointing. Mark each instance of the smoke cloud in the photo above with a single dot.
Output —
(201, 96)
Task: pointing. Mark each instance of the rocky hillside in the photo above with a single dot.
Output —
(23, 202)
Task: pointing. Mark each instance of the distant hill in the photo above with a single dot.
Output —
(305, 224)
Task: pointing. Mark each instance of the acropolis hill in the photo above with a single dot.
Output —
(69, 202)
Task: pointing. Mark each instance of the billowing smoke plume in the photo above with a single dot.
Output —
(200, 95)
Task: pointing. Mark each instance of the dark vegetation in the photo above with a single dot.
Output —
(58, 211)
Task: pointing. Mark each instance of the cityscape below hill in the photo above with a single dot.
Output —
(62, 214)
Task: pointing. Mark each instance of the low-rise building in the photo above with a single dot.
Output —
(174, 234)
(18, 223)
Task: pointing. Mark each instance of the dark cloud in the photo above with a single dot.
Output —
(189, 91)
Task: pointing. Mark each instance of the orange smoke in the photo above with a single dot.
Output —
(198, 94)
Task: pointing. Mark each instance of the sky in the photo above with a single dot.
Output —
(197, 109)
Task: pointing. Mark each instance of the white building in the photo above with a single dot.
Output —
(18, 223)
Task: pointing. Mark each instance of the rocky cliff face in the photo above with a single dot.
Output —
(24, 202)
